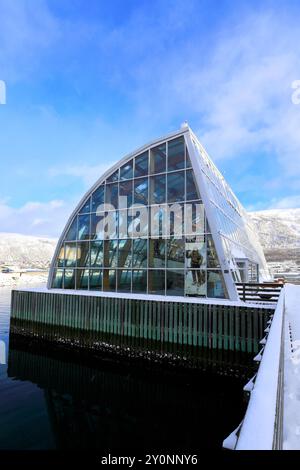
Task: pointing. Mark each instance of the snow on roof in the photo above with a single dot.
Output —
(157, 298)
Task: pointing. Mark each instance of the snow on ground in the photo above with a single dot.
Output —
(257, 430)
(291, 416)
(14, 279)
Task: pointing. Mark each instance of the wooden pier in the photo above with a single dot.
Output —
(138, 323)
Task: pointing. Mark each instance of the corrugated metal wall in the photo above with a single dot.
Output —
(89, 321)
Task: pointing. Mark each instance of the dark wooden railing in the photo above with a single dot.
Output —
(259, 292)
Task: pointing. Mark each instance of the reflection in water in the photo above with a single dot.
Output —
(107, 406)
(52, 398)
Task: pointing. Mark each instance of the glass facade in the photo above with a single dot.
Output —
(237, 235)
(153, 235)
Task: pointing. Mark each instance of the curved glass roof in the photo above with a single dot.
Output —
(162, 221)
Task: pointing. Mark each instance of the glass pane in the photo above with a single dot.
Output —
(191, 188)
(125, 254)
(97, 226)
(124, 280)
(208, 230)
(82, 279)
(126, 171)
(139, 257)
(83, 227)
(109, 280)
(86, 208)
(72, 232)
(112, 196)
(158, 159)
(188, 160)
(104, 225)
(159, 216)
(157, 189)
(97, 254)
(98, 198)
(138, 224)
(195, 283)
(175, 253)
(242, 270)
(176, 186)
(57, 282)
(175, 220)
(110, 253)
(70, 254)
(175, 282)
(157, 254)
(156, 282)
(125, 192)
(83, 258)
(215, 285)
(123, 223)
(60, 261)
(69, 279)
(141, 191)
(212, 257)
(113, 177)
(195, 253)
(139, 281)
(194, 218)
(96, 279)
(176, 154)
(141, 165)
(111, 227)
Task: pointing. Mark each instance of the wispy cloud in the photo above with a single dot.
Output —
(35, 218)
(289, 202)
(237, 89)
(89, 174)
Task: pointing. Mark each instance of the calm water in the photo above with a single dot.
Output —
(51, 400)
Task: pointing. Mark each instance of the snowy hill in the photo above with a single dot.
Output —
(25, 251)
(278, 228)
(279, 233)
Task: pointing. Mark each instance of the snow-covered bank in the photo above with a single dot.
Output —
(15, 279)
(291, 425)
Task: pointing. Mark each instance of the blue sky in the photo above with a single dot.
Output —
(88, 82)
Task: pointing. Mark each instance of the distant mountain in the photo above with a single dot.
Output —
(278, 228)
(279, 233)
(26, 251)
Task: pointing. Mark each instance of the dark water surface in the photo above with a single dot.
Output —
(53, 400)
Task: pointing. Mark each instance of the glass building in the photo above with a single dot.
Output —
(163, 221)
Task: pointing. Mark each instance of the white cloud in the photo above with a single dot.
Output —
(237, 89)
(244, 92)
(89, 174)
(35, 218)
(289, 202)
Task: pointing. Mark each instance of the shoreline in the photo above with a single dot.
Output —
(24, 278)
